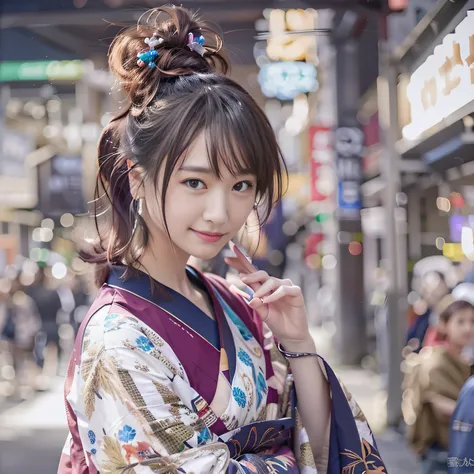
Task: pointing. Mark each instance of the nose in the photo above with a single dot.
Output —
(216, 210)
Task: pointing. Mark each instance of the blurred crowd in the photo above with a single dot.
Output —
(438, 360)
(39, 317)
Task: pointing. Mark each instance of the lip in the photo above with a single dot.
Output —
(210, 237)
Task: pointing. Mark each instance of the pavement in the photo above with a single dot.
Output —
(33, 432)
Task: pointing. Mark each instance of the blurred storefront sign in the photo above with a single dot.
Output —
(17, 178)
(15, 147)
(11, 71)
(454, 252)
(349, 146)
(321, 170)
(444, 83)
(60, 186)
(282, 46)
(286, 79)
(371, 158)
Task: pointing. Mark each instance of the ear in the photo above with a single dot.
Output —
(135, 179)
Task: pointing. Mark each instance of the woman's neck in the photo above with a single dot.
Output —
(165, 263)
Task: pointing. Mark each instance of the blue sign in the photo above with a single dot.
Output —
(285, 80)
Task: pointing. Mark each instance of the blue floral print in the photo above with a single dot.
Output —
(245, 358)
(144, 343)
(93, 451)
(261, 383)
(113, 321)
(127, 434)
(261, 388)
(204, 436)
(91, 436)
(240, 397)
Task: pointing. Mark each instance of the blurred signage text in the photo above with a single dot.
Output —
(444, 82)
(41, 70)
(321, 170)
(285, 44)
(286, 79)
(349, 146)
(14, 150)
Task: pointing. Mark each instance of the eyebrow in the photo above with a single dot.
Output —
(204, 169)
(196, 169)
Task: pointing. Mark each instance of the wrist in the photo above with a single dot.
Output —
(304, 345)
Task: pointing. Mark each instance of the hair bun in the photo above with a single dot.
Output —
(172, 25)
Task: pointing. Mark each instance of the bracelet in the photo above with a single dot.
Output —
(296, 355)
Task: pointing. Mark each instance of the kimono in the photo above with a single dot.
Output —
(156, 386)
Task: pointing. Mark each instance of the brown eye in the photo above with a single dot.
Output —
(242, 186)
(194, 184)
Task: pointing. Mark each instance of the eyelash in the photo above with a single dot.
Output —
(187, 181)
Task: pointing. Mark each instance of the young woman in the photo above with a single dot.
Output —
(440, 375)
(171, 371)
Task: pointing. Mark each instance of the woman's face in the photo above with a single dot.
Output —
(203, 212)
(460, 327)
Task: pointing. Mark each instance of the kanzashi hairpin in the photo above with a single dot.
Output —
(148, 58)
(196, 44)
(153, 42)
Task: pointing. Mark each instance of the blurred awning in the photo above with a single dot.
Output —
(79, 29)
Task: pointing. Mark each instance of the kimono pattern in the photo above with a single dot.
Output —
(156, 386)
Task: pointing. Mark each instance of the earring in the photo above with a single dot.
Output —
(255, 205)
(138, 203)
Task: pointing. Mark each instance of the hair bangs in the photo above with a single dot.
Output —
(239, 137)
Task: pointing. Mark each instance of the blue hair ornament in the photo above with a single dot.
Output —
(148, 58)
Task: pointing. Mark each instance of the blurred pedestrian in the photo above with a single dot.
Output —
(461, 440)
(433, 289)
(433, 386)
(49, 306)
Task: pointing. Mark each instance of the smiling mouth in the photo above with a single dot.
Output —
(208, 236)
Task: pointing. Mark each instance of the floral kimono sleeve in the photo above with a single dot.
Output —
(349, 439)
(133, 404)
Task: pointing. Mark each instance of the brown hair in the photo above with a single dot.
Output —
(453, 308)
(169, 106)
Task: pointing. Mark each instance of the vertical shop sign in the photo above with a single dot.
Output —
(349, 146)
(321, 171)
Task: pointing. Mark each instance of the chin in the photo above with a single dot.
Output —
(205, 252)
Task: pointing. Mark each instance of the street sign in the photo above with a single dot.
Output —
(11, 71)
(349, 146)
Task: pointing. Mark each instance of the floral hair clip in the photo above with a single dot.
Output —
(196, 44)
(147, 58)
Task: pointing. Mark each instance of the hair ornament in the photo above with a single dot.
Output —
(196, 44)
(148, 58)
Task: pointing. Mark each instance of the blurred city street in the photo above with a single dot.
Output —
(327, 143)
(32, 433)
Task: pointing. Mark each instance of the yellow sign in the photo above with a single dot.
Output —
(453, 252)
(284, 46)
(444, 82)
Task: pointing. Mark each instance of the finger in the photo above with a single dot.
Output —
(238, 292)
(235, 264)
(243, 259)
(293, 291)
(266, 288)
(258, 277)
